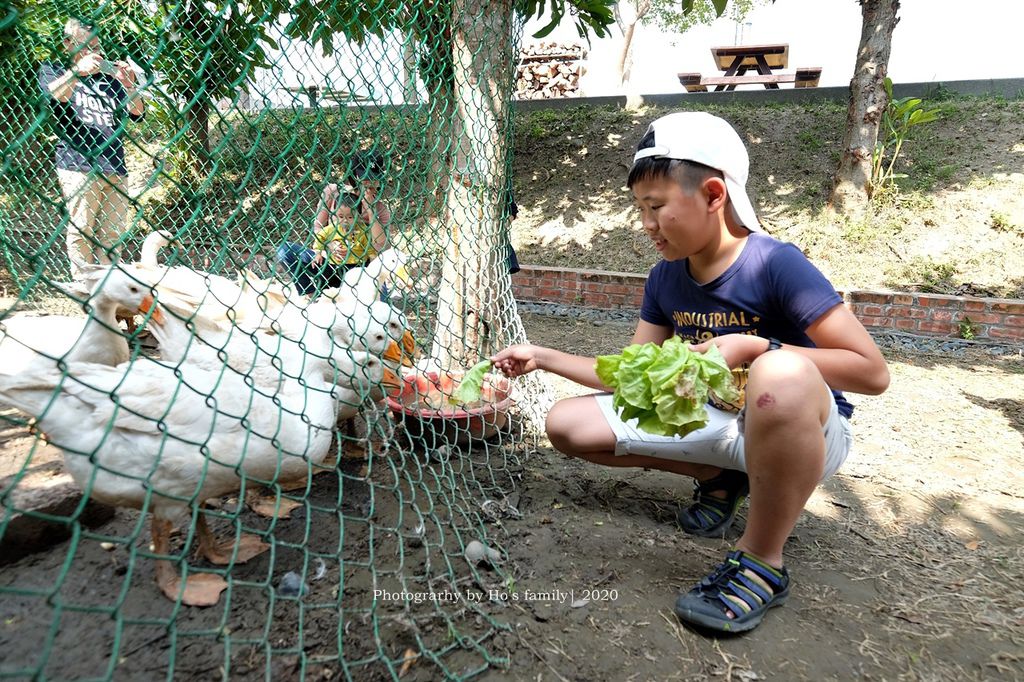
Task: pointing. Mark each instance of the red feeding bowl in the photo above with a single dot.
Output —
(422, 404)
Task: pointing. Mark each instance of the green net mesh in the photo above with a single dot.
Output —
(285, 152)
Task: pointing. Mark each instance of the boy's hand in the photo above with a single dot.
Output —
(318, 259)
(126, 75)
(735, 348)
(88, 64)
(517, 360)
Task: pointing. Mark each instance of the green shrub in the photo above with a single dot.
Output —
(899, 119)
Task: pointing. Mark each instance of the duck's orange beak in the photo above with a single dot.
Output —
(409, 348)
(392, 352)
(148, 307)
(391, 381)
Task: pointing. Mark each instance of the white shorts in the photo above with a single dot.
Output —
(720, 442)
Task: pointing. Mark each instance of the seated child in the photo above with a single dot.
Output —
(342, 241)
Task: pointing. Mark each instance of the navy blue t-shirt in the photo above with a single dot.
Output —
(772, 290)
(88, 123)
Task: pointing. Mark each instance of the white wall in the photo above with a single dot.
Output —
(372, 70)
(935, 40)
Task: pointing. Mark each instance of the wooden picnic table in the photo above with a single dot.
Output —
(318, 93)
(736, 60)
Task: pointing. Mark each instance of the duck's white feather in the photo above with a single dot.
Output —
(183, 433)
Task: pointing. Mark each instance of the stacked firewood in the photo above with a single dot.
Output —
(549, 70)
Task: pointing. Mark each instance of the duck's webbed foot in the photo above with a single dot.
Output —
(227, 550)
(199, 589)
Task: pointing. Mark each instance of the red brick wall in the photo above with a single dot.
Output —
(995, 319)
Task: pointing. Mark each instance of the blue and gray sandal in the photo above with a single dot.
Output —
(710, 516)
(743, 586)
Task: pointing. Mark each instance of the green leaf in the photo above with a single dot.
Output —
(665, 388)
(547, 28)
(472, 384)
(607, 368)
(718, 376)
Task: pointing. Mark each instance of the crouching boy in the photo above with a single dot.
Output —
(779, 324)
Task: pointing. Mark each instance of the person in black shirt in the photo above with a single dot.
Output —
(89, 101)
(512, 212)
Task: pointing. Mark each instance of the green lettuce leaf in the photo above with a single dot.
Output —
(607, 368)
(719, 376)
(674, 357)
(665, 388)
(472, 384)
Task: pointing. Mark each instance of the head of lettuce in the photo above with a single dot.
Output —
(665, 388)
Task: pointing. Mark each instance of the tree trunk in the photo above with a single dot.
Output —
(438, 140)
(434, 65)
(867, 103)
(198, 138)
(474, 271)
(624, 64)
(409, 58)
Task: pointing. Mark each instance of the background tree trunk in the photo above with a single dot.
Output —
(625, 61)
(409, 59)
(624, 64)
(473, 268)
(197, 140)
(868, 101)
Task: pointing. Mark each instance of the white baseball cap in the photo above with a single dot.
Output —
(701, 137)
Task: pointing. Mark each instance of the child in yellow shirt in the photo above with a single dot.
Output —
(342, 240)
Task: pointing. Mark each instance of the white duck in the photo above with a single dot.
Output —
(364, 284)
(269, 358)
(256, 305)
(212, 297)
(26, 340)
(272, 363)
(271, 293)
(173, 437)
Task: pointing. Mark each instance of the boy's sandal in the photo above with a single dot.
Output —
(711, 516)
(743, 585)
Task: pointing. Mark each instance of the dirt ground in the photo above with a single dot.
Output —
(905, 565)
(900, 562)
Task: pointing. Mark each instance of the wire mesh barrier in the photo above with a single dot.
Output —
(247, 252)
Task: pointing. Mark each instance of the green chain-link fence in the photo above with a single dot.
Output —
(219, 417)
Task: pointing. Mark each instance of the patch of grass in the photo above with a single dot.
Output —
(871, 230)
(926, 171)
(894, 198)
(1000, 222)
(927, 275)
(941, 93)
(967, 328)
(980, 182)
(543, 124)
(945, 173)
(810, 141)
